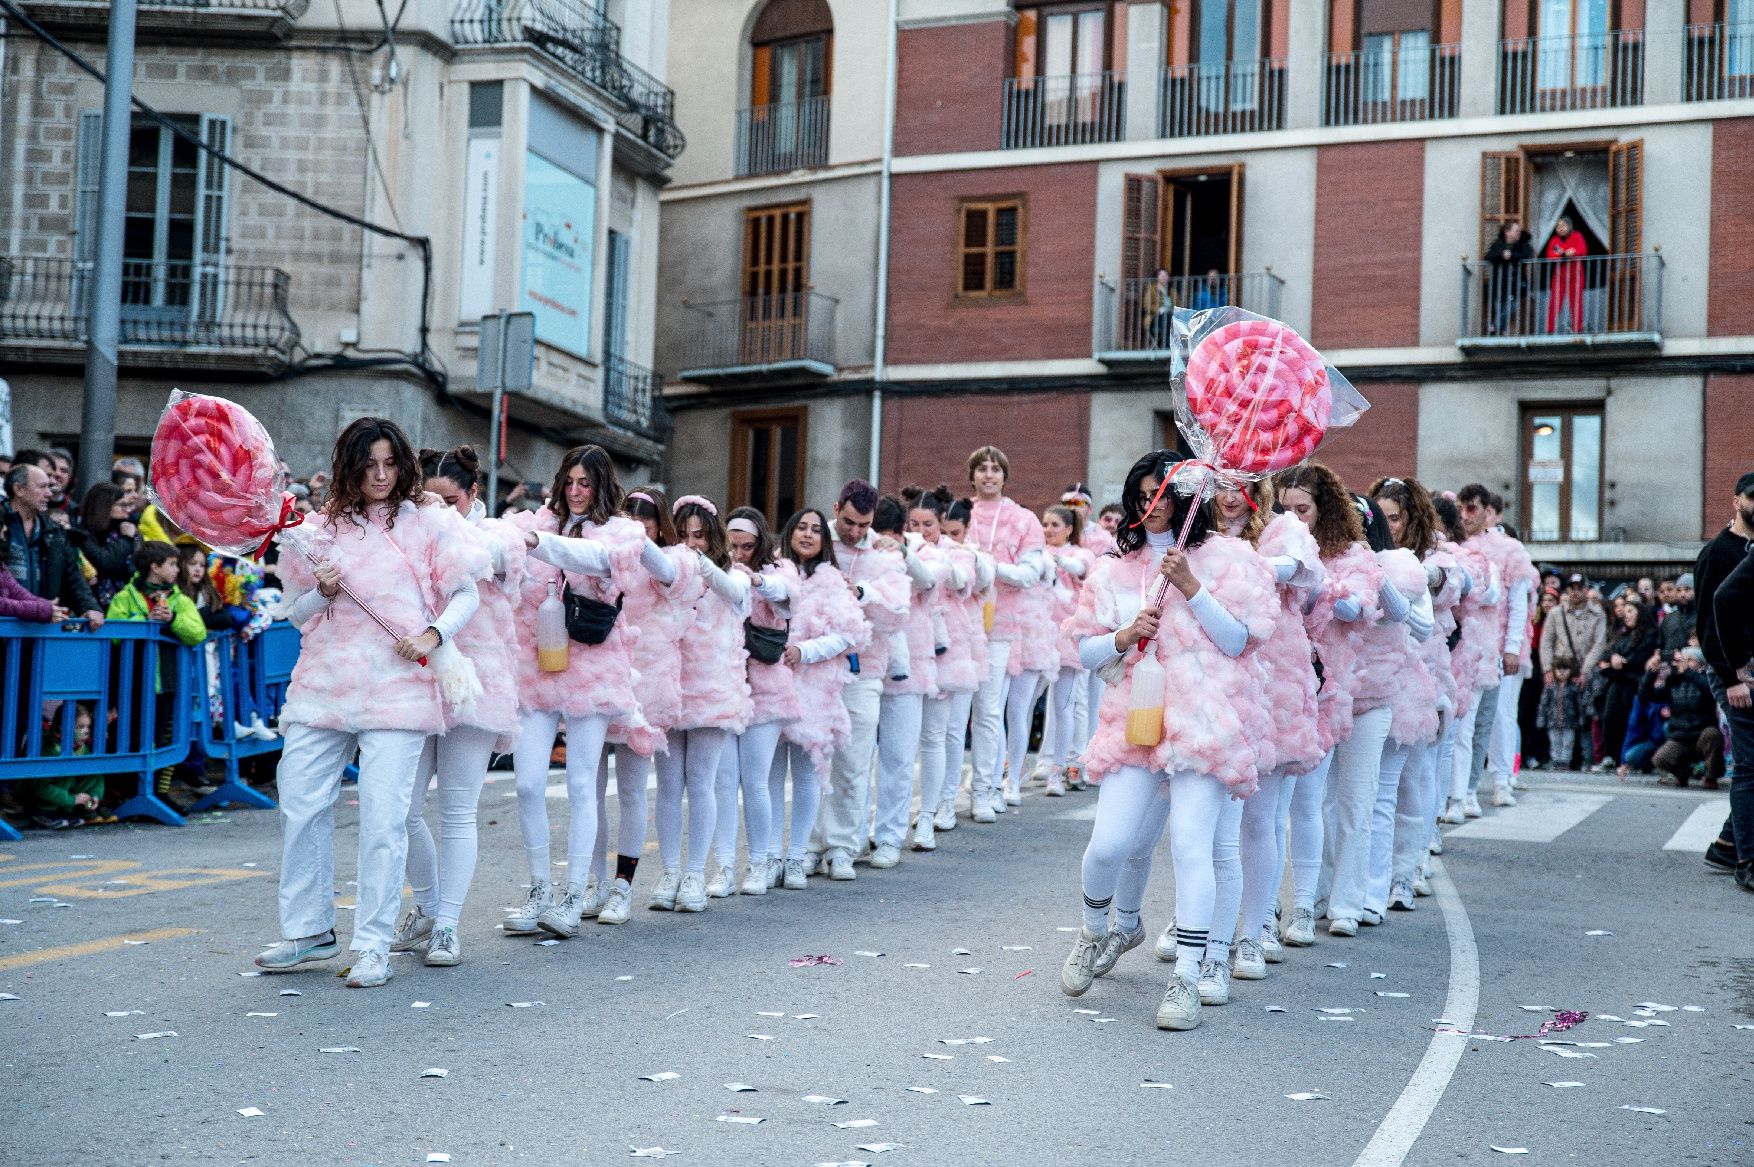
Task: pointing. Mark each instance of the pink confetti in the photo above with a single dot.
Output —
(1025, 973)
(813, 961)
(1562, 1020)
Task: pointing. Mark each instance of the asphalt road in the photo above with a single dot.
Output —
(559, 1082)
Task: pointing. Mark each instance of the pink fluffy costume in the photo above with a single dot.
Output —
(961, 671)
(1071, 566)
(1013, 537)
(902, 711)
(417, 569)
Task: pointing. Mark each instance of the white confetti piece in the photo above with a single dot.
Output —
(1313, 1096)
(805, 1016)
(740, 1088)
(249, 865)
(11, 921)
(623, 978)
(421, 1005)
(1509, 1150)
(879, 1148)
(10, 997)
(1337, 1011)
(1382, 993)
(1538, 1008)
(1337, 964)
(133, 943)
(435, 1072)
(1379, 976)
(856, 1124)
(1015, 948)
(525, 1004)
(1627, 1040)
(42, 899)
(1567, 1053)
(1738, 1027)
(968, 972)
(1103, 1020)
(292, 992)
(1608, 1017)
(921, 1090)
(744, 1119)
(651, 1152)
(996, 1058)
(1654, 1005)
(251, 973)
(824, 1100)
(971, 1100)
(761, 1014)
(1150, 1085)
(1644, 1109)
(1693, 1008)
(1598, 932)
(864, 952)
(79, 856)
(1275, 1009)
(127, 1013)
(253, 1112)
(759, 1036)
(437, 1157)
(1597, 1044)
(1336, 1019)
(916, 966)
(1065, 929)
(155, 1036)
(340, 1049)
(1089, 1012)
(261, 1014)
(661, 1076)
(960, 952)
(546, 943)
(1564, 1085)
(938, 1057)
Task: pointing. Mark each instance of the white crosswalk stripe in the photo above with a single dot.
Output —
(1701, 827)
(1540, 816)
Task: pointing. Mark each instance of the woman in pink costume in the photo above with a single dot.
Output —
(1070, 562)
(941, 522)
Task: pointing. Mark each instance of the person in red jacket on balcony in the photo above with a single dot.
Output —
(1567, 247)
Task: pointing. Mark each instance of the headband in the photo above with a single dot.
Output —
(697, 500)
(643, 497)
(1076, 498)
(747, 526)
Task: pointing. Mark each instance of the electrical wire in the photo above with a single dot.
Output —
(365, 125)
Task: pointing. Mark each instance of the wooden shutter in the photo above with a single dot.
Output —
(1501, 193)
(212, 184)
(1626, 235)
(1142, 227)
(761, 76)
(1235, 221)
(88, 165)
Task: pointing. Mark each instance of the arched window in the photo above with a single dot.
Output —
(785, 125)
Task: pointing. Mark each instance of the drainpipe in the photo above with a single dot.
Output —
(880, 346)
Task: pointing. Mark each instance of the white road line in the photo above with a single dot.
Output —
(1401, 1128)
(1701, 827)
(1540, 816)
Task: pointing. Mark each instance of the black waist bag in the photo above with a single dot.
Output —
(589, 621)
(766, 645)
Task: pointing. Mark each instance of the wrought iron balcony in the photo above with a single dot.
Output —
(1594, 301)
(1133, 316)
(1225, 97)
(787, 135)
(1071, 110)
(1414, 83)
(631, 399)
(785, 336)
(1720, 61)
(1552, 74)
(178, 19)
(174, 315)
(650, 113)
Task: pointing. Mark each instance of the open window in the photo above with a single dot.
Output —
(785, 124)
(767, 462)
(1181, 247)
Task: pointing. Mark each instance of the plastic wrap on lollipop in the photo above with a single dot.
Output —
(215, 473)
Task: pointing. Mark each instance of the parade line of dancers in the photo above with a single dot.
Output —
(1283, 672)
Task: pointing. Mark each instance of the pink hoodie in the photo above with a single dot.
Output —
(1476, 661)
(883, 579)
(653, 611)
(1515, 569)
(1392, 669)
(490, 638)
(1294, 744)
(824, 605)
(1065, 599)
(1007, 532)
(925, 611)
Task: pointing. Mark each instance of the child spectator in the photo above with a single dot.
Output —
(60, 803)
(1562, 713)
(153, 595)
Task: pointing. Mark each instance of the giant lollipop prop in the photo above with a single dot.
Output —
(215, 473)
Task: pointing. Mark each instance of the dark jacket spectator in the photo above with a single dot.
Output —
(1675, 631)
(1692, 708)
(37, 552)
(1716, 561)
(107, 537)
(1632, 639)
(1733, 615)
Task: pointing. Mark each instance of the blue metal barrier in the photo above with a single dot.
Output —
(139, 687)
(249, 686)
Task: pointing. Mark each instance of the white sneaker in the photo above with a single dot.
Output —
(1164, 949)
(617, 903)
(691, 896)
(370, 969)
(1501, 796)
(722, 885)
(812, 863)
(1042, 772)
(1114, 946)
(1401, 896)
(983, 810)
(1181, 1005)
(1080, 967)
(1421, 887)
(1056, 783)
(444, 951)
(1247, 961)
(925, 837)
(1436, 847)
(1453, 813)
(945, 819)
(1214, 986)
(754, 880)
(794, 875)
(289, 954)
(596, 894)
(523, 921)
(1301, 932)
(1272, 948)
(1371, 918)
(885, 856)
(664, 895)
(840, 868)
(1471, 806)
(1013, 796)
(1342, 927)
(412, 931)
(563, 918)
(261, 730)
(776, 871)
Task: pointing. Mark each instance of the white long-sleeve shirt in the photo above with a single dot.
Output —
(459, 608)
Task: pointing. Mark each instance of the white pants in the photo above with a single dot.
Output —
(1506, 740)
(806, 798)
(1396, 826)
(955, 747)
(1068, 683)
(934, 729)
(745, 764)
(1439, 760)
(691, 766)
(1308, 831)
(1019, 715)
(1352, 785)
(309, 780)
(584, 748)
(632, 774)
(840, 827)
(1089, 702)
(899, 730)
(1263, 856)
(1472, 742)
(1227, 878)
(988, 728)
(440, 882)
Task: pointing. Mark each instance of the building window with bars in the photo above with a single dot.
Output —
(991, 237)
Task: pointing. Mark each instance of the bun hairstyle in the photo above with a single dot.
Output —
(764, 552)
(648, 502)
(1337, 524)
(959, 510)
(1418, 518)
(1449, 518)
(937, 500)
(1072, 518)
(1376, 528)
(1130, 535)
(890, 516)
(460, 465)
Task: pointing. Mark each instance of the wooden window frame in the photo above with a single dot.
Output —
(991, 204)
(743, 424)
(1027, 59)
(1567, 411)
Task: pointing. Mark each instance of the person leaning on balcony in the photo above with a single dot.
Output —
(1567, 247)
(1210, 292)
(36, 551)
(1157, 310)
(1509, 255)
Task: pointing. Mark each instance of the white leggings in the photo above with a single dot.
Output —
(806, 799)
(955, 747)
(988, 729)
(1263, 858)
(900, 727)
(584, 748)
(1019, 713)
(1067, 682)
(1439, 765)
(460, 760)
(1089, 702)
(1308, 832)
(1227, 878)
(745, 764)
(934, 729)
(1131, 807)
(632, 773)
(1399, 794)
(691, 764)
(1351, 793)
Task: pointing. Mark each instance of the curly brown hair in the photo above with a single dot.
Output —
(1418, 517)
(352, 456)
(606, 492)
(1337, 524)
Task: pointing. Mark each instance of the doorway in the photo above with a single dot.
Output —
(1202, 246)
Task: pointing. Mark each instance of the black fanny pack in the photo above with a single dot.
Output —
(589, 621)
(766, 645)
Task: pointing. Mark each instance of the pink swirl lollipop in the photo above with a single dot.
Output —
(215, 474)
(1261, 393)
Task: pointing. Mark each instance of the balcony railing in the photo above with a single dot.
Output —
(1411, 84)
(586, 43)
(787, 135)
(1720, 61)
(44, 303)
(1133, 316)
(274, 17)
(1595, 300)
(1225, 97)
(791, 333)
(1073, 110)
(631, 399)
(1552, 74)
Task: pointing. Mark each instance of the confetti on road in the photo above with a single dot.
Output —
(662, 1076)
(1379, 976)
(1089, 1012)
(421, 1005)
(969, 972)
(863, 952)
(261, 1014)
(1308, 1097)
(960, 952)
(813, 961)
(1509, 1150)
(1150, 1085)
(744, 1119)
(1693, 1008)
(291, 992)
(154, 1036)
(1015, 948)
(1103, 1020)
(921, 1090)
(1644, 1109)
(740, 1088)
(824, 1100)
(938, 1057)
(1381, 993)
(253, 1112)
(879, 1148)
(1598, 932)
(1275, 1009)
(651, 1152)
(435, 1072)
(1564, 1085)
(759, 1036)
(1567, 1053)
(971, 1100)
(525, 1004)
(438, 1157)
(856, 1124)
(916, 966)
(805, 1016)
(546, 943)
(761, 1014)
(340, 1049)
(127, 1013)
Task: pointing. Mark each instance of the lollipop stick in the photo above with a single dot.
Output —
(356, 598)
(1162, 588)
